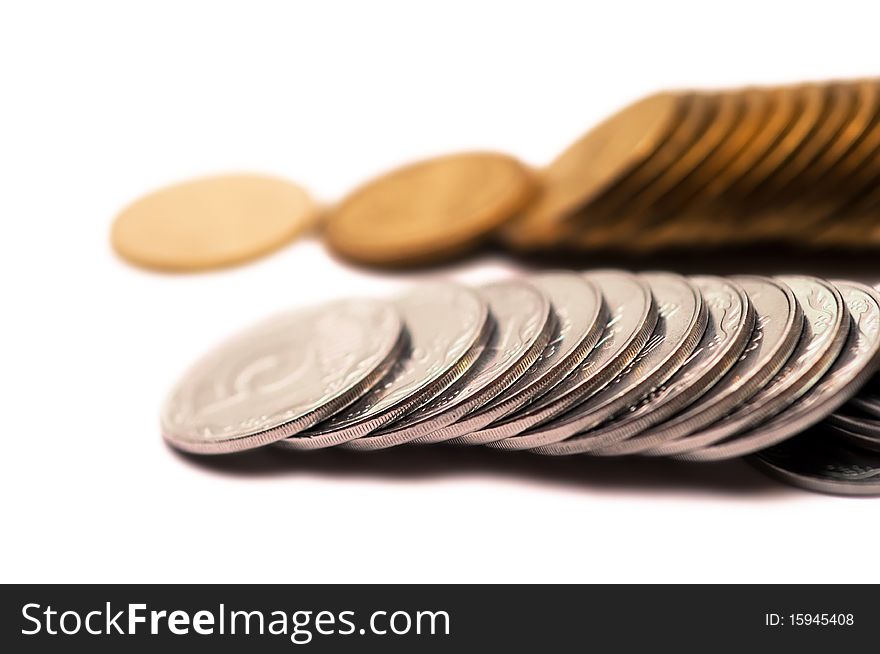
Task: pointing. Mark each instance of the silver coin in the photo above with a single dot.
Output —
(633, 316)
(868, 404)
(731, 320)
(580, 315)
(521, 315)
(447, 326)
(826, 325)
(680, 325)
(819, 462)
(853, 367)
(281, 376)
(860, 430)
(777, 331)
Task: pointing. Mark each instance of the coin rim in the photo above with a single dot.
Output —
(289, 428)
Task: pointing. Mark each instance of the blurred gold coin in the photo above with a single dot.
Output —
(602, 157)
(429, 210)
(836, 108)
(212, 222)
(687, 224)
(698, 134)
(827, 193)
(782, 194)
(749, 225)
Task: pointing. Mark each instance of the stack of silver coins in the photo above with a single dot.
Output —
(604, 363)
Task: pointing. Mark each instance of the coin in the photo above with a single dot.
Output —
(826, 326)
(619, 209)
(822, 196)
(777, 331)
(720, 123)
(778, 214)
(680, 326)
(819, 462)
(430, 210)
(855, 365)
(602, 157)
(212, 222)
(828, 106)
(810, 103)
(580, 315)
(731, 320)
(651, 207)
(282, 376)
(633, 316)
(447, 325)
(684, 222)
(870, 406)
(811, 100)
(724, 223)
(521, 315)
(860, 430)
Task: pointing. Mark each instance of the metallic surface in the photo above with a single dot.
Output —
(826, 325)
(523, 325)
(856, 364)
(731, 320)
(447, 325)
(819, 462)
(580, 314)
(282, 376)
(777, 332)
(633, 316)
(682, 321)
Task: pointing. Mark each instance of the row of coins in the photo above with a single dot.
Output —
(798, 164)
(605, 363)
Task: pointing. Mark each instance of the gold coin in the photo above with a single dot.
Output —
(619, 212)
(724, 118)
(825, 195)
(839, 104)
(590, 166)
(688, 224)
(657, 203)
(693, 167)
(746, 202)
(858, 174)
(723, 222)
(856, 223)
(811, 106)
(430, 210)
(777, 215)
(211, 222)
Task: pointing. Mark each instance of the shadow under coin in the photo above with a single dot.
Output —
(589, 474)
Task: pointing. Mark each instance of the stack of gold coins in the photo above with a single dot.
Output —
(683, 170)
(796, 164)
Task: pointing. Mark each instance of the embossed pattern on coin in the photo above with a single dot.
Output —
(602, 363)
(282, 376)
(447, 326)
(826, 325)
(731, 320)
(777, 331)
(633, 316)
(681, 323)
(521, 315)
(580, 316)
(856, 364)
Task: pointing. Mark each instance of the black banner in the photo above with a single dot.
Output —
(232, 618)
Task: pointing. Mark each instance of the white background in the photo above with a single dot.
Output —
(101, 102)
